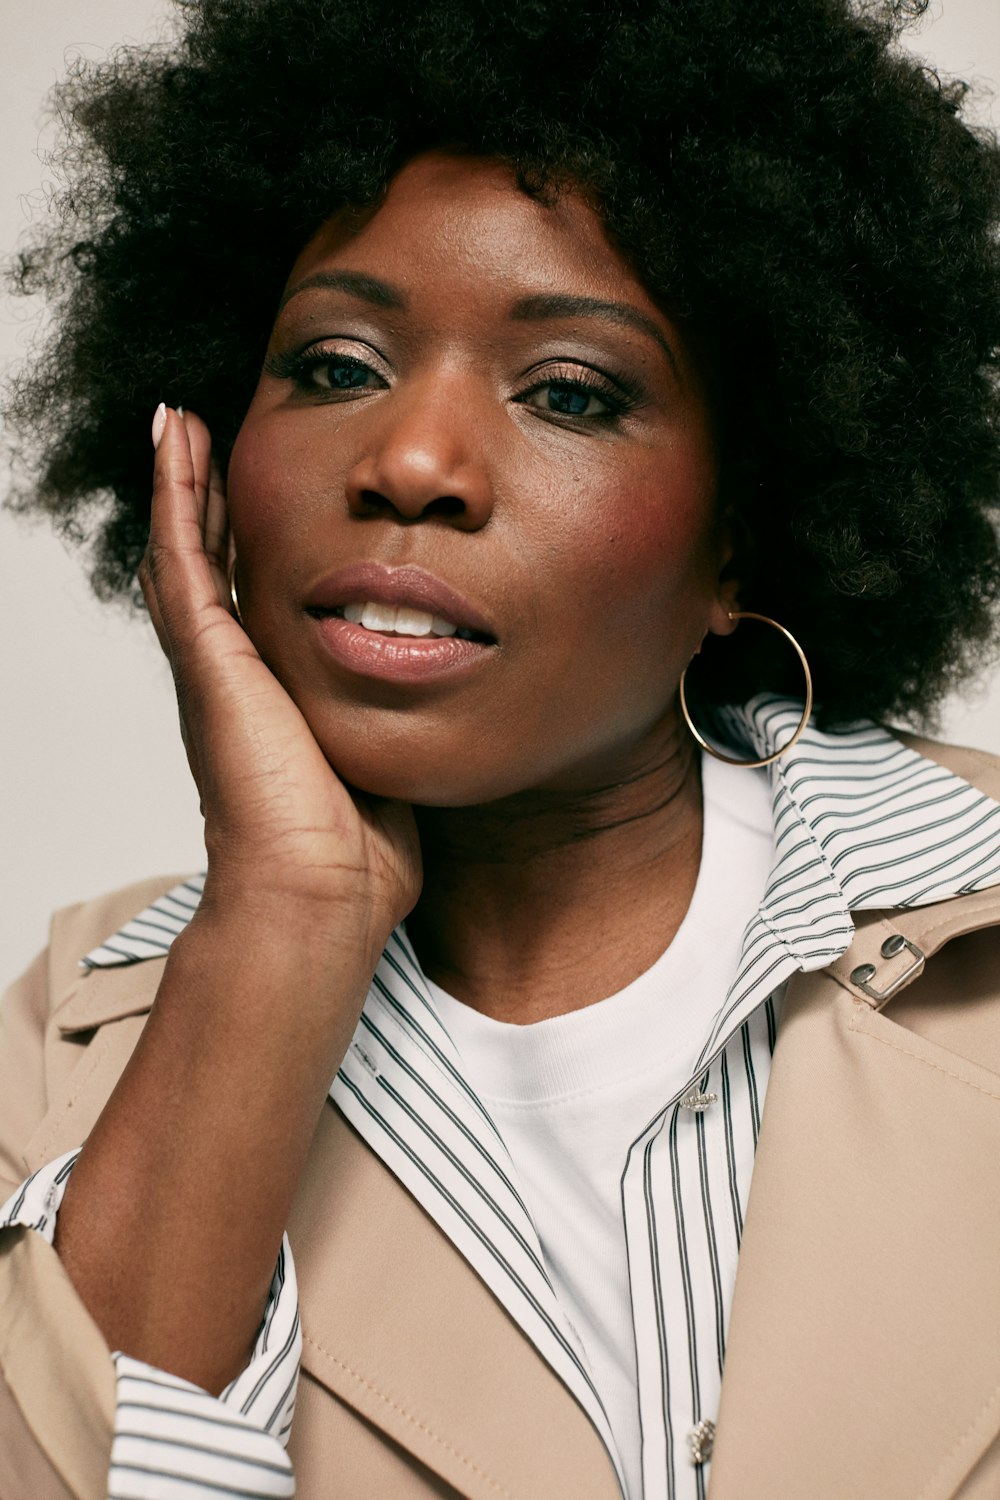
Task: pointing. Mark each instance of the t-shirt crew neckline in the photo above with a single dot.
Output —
(570, 1094)
(606, 1043)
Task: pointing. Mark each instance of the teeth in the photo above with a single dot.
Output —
(387, 618)
(378, 617)
(412, 622)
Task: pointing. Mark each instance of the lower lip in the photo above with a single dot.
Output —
(399, 658)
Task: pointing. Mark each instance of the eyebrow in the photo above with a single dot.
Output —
(560, 306)
(366, 288)
(528, 309)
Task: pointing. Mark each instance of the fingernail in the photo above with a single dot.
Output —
(180, 411)
(159, 423)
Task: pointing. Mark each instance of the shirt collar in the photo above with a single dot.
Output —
(861, 822)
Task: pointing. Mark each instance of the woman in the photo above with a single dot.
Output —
(538, 353)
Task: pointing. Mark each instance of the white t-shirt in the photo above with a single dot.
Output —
(569, 1095)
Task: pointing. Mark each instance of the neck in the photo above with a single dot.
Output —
(547, 901)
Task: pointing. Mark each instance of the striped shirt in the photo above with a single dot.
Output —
(861, 822)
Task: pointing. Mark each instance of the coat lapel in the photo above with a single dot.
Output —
(397, 1325)
(395, 1322)
(83, 1068)
(863, 1354)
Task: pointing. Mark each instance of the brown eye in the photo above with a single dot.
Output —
(339, 373)
(580, 393)
(322, 370)
(574, 400)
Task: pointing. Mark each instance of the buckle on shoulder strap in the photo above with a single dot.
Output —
(894, 945)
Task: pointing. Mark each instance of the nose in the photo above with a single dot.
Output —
(425, 457)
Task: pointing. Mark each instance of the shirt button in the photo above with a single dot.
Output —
(697, 1102)
(700, 1440)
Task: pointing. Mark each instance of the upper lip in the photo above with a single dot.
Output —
(406, 587)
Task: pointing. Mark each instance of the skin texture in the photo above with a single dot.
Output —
(538, 818)
(591, 545)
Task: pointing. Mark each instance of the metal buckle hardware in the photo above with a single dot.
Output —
(865, 973)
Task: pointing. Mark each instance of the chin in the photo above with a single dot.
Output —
(402, 774)
(418, 791)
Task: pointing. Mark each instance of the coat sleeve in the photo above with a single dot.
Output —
(57, 1381)
(23, 1018)
(77, 1420)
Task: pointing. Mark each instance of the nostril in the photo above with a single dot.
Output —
(372, 501)
(442, 505)
(446, 505)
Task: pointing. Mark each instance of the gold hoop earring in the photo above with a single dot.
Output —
(731, 760)
(232, 591)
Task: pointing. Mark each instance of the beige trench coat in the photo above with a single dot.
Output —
(864, 1347)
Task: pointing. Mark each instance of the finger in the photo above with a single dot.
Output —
(153, 608)
(179, 570)
(156, 618)
(188, 741)
(201, 456)
(217, 534)
(211, 494)
(217, 519)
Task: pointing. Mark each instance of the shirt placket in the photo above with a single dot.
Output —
(683, 1196)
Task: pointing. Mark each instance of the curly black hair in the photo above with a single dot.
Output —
(779, 171)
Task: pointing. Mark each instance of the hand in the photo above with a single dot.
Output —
(170, 1235)
(281, 830)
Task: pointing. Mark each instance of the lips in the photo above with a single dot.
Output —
(363, 612)
(400, 591)
(402, 620)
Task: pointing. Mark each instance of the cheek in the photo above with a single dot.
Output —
(652, 534)
(277, 483)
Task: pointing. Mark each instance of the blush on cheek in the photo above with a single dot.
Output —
(664, 531)
(247, 483)
(270, 490)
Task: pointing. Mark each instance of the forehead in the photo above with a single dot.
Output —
(447, 219)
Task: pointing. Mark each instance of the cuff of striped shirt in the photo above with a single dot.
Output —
(173, 1439)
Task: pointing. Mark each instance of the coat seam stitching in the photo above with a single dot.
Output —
(977, 909)
(905, 1052)
(414, 1421)
(95, 1057)
(956, 1446)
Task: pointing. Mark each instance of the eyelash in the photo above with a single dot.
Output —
(298, 366)
(618, 394)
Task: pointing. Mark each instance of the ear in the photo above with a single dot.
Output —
(727, 581)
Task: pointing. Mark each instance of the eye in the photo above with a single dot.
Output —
(571, 398)
(338, 372)
(579, 393)
(328, 371)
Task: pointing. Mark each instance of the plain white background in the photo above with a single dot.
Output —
(94, 787)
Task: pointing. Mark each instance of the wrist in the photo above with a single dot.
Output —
(298, 928)
(262, 983)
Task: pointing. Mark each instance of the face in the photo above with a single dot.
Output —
(474, 420)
